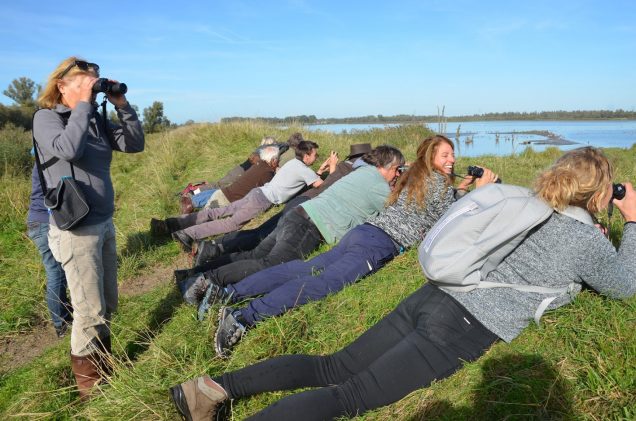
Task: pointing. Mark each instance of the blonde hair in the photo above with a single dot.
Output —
(415, 178)
(579, 178)
(51, 95)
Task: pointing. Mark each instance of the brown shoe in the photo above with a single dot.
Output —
(87, 373)
(198, 399)
(186, 204)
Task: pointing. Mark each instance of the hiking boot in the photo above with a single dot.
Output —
(199, 399)
(159, 227)
(231, 329)
(184, 240)
(186, 205)
(181, 275)
(214, 294)
(87, 372)
(206, 251)
(193, 288)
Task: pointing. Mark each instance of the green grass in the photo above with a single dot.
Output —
(580, 364)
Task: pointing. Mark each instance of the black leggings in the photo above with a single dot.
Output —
(427, 337)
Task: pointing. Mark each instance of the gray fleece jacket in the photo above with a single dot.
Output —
(560, 251)
(406, 223)
(83, 142)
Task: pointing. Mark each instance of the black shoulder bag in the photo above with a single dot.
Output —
(66, 202)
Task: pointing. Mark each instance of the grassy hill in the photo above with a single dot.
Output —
(580, 364)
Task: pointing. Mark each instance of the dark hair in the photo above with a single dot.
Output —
(415, 180)
(384, 156)
(304, 148)
(295, 139)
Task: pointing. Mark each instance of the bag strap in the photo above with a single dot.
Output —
(40, 166)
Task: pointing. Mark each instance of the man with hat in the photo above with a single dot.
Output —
(213, 254)
(246, 240)
(325, 218)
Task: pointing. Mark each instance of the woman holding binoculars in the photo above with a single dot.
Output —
(73, 140)
(436, 329)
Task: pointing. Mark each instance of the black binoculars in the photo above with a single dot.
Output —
(478, 172)
(618, 191)
(108, 87)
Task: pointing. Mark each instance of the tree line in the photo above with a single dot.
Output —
(24, 92)
(409, 118)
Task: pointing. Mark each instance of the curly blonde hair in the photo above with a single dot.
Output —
(581, 177)
(414, 178)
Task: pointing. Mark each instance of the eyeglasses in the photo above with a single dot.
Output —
(83, 65)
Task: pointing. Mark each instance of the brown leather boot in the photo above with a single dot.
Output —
(87, 373)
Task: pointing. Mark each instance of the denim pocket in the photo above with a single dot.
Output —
(447, 323)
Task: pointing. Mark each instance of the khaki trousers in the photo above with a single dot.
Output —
(88, 255)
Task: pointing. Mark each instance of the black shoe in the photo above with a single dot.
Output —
(60, 331)
(206, 251)
(181, 275)
(230, 331)
(184, 240)
(193, 288)
(214, 294)
(159, 227)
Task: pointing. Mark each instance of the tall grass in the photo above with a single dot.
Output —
(579, 365)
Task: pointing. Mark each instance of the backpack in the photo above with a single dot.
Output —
(190, 188)
(478, 232)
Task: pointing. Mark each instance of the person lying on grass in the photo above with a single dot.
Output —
(326, 218)
(420, 198)
(207, 251)
(288, 181)
(435, 330)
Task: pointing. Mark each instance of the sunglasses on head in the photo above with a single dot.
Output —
(83, 65)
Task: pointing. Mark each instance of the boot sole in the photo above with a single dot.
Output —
(180, 403)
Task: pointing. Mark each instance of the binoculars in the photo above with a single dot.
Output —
(108, 87)
(618, 191)
(478, 172)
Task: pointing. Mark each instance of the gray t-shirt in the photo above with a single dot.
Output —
(288, 181)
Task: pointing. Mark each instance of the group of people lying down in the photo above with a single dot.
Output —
(370, 208)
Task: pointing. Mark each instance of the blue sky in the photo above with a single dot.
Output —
(207, 60)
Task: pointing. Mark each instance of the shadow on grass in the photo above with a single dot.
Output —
(162, 312)
(513, 387)
(139, 242)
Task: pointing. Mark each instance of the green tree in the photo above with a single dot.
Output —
(22, 91)
(154, 120)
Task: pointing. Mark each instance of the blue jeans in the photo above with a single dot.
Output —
(56, 297)
(199, 200)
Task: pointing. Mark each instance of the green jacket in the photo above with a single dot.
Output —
(348, 203)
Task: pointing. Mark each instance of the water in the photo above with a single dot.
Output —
(507, 137)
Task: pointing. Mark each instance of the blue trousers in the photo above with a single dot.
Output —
(362, 251)
(56, 298)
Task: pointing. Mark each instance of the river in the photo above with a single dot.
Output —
(508, 137)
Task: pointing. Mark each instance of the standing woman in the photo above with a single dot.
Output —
(434, 331)
(72, 137)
